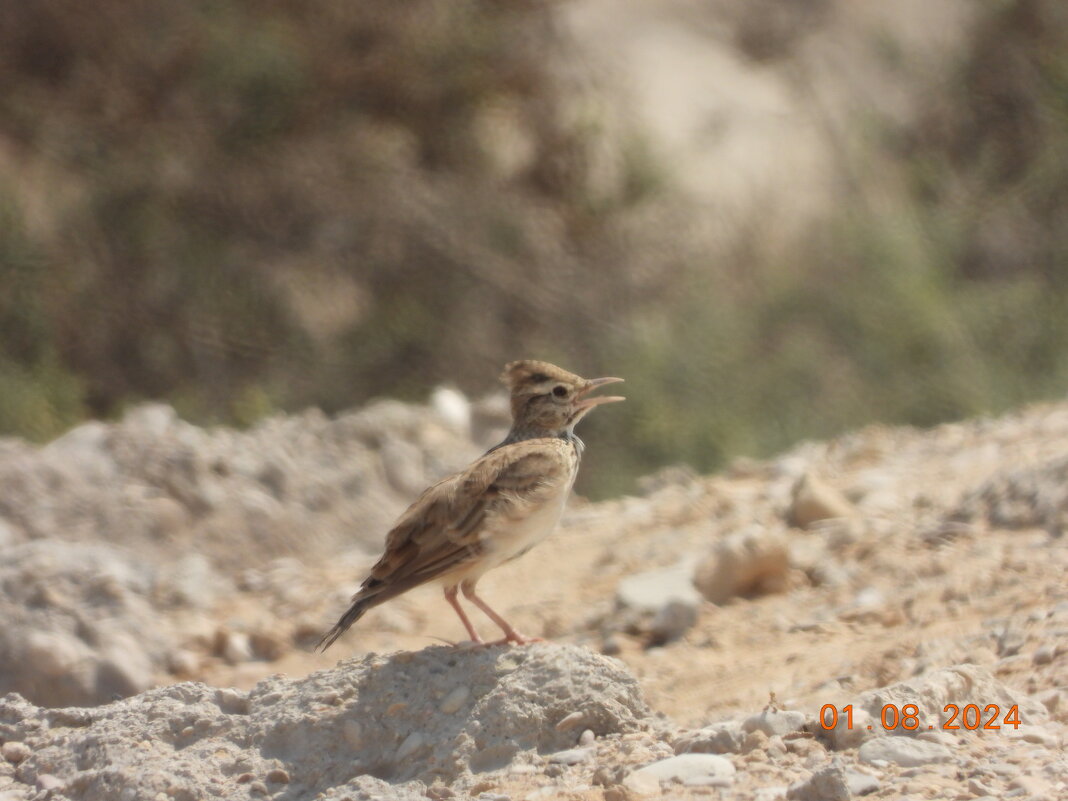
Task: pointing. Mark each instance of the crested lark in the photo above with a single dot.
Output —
(497, 509)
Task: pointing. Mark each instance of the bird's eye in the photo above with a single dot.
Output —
(560, 391)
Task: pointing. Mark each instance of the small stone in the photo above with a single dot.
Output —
(755, 740)
(976, 787)
(828, 784)
(258, 788)
(815, 500)
(751, 561)
(15, 751)
(455, 699)
(277, 776)
(412, 743)
(773, 721)
(587, 737)
(571, 756)
(672, 621)
(235, 647)
(844, 736)
(1044, 655)
(46, 781)
(1031, 785)
(904, 751)
(690, 769)
(571, 721)
(244, 778)
(860, 783)
(666, 597)
(232, 701)
(642, 783)
(353, 733)
(1034, 734)
(719, 738)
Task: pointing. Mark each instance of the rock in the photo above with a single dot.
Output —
(752, 561)
(1032, 786)
(572, 756)
(1015, 498)
(329, 729)
(860, 783)
(80, 627)
(850, 734)
(906, 752)
(828, 784)
(814, 500)
(689, 769)
(663, 603)
(454, 409)
(719, 738)
(14, 751)
(933, 690)
(774, 721)
(234, 646)
(1044, 654)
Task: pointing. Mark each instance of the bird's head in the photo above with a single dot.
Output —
(550, 399)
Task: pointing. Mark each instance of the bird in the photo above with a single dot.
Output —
(504, 503)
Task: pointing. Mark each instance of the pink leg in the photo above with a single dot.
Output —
(510, 634)
(450, 596)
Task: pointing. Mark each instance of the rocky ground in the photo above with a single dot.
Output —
(163, 586)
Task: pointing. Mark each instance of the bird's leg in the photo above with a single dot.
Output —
(510, 633)
(450, 596)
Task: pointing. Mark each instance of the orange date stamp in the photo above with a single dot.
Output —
(971, 717)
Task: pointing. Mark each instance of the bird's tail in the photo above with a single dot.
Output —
(360, 605)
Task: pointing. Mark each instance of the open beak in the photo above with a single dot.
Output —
(583, 403)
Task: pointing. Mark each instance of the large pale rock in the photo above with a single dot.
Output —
(342, 731)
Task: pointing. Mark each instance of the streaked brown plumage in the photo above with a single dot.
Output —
(497, 509)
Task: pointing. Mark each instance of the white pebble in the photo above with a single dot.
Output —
(454, 700)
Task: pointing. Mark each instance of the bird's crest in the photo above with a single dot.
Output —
(530, 374)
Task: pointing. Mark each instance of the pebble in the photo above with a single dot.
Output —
(904, 751)
(454, 700)
(46, 781)
(14, 751)
(1033, 734)
(774, 721)
(353, 733)
(844, 736)
(976, 787)
(412, 743)
(1044, 655)
(828, 784)
(861, 783)
(571, 721)
(1030, 785)
(815, 500)
(690, 769)
(571, 756)
(667, 595)
(277, 776)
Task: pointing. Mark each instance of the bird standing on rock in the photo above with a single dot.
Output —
(497, 509)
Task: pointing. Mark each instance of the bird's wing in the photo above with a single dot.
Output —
(442, 530)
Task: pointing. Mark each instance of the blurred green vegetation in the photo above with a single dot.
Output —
(244, 207)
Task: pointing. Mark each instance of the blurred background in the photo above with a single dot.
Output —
(778, 219)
